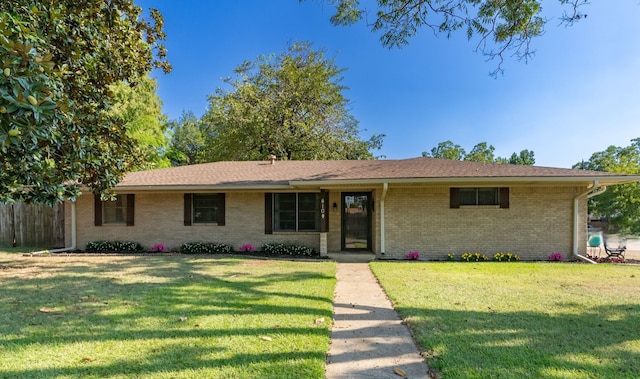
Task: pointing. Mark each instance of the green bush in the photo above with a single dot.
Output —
(205, 248)
(473, 257)
(505, 257)
(113, 247)
(273, 248)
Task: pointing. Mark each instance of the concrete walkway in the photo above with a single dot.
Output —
(368, 339)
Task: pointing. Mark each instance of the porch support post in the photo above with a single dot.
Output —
(323, 244)
(385, 188)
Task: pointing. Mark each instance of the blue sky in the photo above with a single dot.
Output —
(579, 94)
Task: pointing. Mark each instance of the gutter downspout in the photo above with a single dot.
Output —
(385, 188)
(73, 237)
(593, 191)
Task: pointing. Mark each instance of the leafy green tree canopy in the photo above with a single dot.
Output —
(482, 152)
(140, 109)
(187, 142)
(619, 204)
(59, 60)
(502, 27)
(290, 105)
(447, 150)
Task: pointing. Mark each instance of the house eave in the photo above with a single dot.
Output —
(297, 184)
(201, 188)
(567, 180)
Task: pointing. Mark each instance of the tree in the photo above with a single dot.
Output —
(446, 150)
(480, 153)
(619, 204)
(526, 158)
(187, 142)
(290, 105)
(59, 60)
(140, 109)
(503, 27)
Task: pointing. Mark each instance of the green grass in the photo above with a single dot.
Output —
(524, 320)
(163, 317)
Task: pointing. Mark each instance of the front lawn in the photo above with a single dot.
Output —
(163, 317)
(524, 320)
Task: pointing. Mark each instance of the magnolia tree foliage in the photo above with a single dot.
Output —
(290, 105)
(58, 60)
(482, 152)
(619, 204)
(502, 27)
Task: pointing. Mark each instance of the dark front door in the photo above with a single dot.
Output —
(356, 221)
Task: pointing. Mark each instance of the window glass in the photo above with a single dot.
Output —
(207, 208)
(284, 212)
(468, 196)
(487, 196)
(115, 212)
(296, 212)
(479, 196)
(309, 211)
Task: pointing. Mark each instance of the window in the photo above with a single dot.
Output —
(204, 208)
(293, 212)
(114, 212)
(118, 211)
(479, 196)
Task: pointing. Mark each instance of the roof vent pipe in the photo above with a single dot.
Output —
(272, 159)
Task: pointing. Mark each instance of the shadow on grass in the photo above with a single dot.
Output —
(203, 302)
(600, 342)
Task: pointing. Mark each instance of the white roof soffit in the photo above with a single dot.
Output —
(523, 180)
(567, 180)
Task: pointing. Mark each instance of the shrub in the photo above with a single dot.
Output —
(274, 248)
(205, 248)
(159, 247)
(473, 257)
(505, 257)
(113, 247)
(451, 257)
(247, 247)
(412, 255)
(556, 257)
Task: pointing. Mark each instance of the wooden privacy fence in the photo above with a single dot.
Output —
(36, 225)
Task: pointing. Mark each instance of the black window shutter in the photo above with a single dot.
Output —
(131, 204)
(221, 217)
(504, 197)
(324, 215)
(97, 210)
(187, 209)
(268, 213)
(454, 197)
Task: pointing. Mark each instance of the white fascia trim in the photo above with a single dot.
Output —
(605, 180)
(203, 188)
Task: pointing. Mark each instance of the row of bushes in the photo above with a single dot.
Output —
(273, 249)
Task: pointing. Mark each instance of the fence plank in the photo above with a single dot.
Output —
(35, 225)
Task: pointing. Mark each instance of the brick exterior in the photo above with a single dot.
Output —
(159, 219)
(539, 221)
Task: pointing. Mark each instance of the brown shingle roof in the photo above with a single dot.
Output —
(285, 173)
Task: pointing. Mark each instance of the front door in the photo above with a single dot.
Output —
(356, 221)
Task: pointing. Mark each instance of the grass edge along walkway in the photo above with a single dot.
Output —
(526, 320)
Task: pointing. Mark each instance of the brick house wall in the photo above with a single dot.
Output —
(538, 222)
(159, 218)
